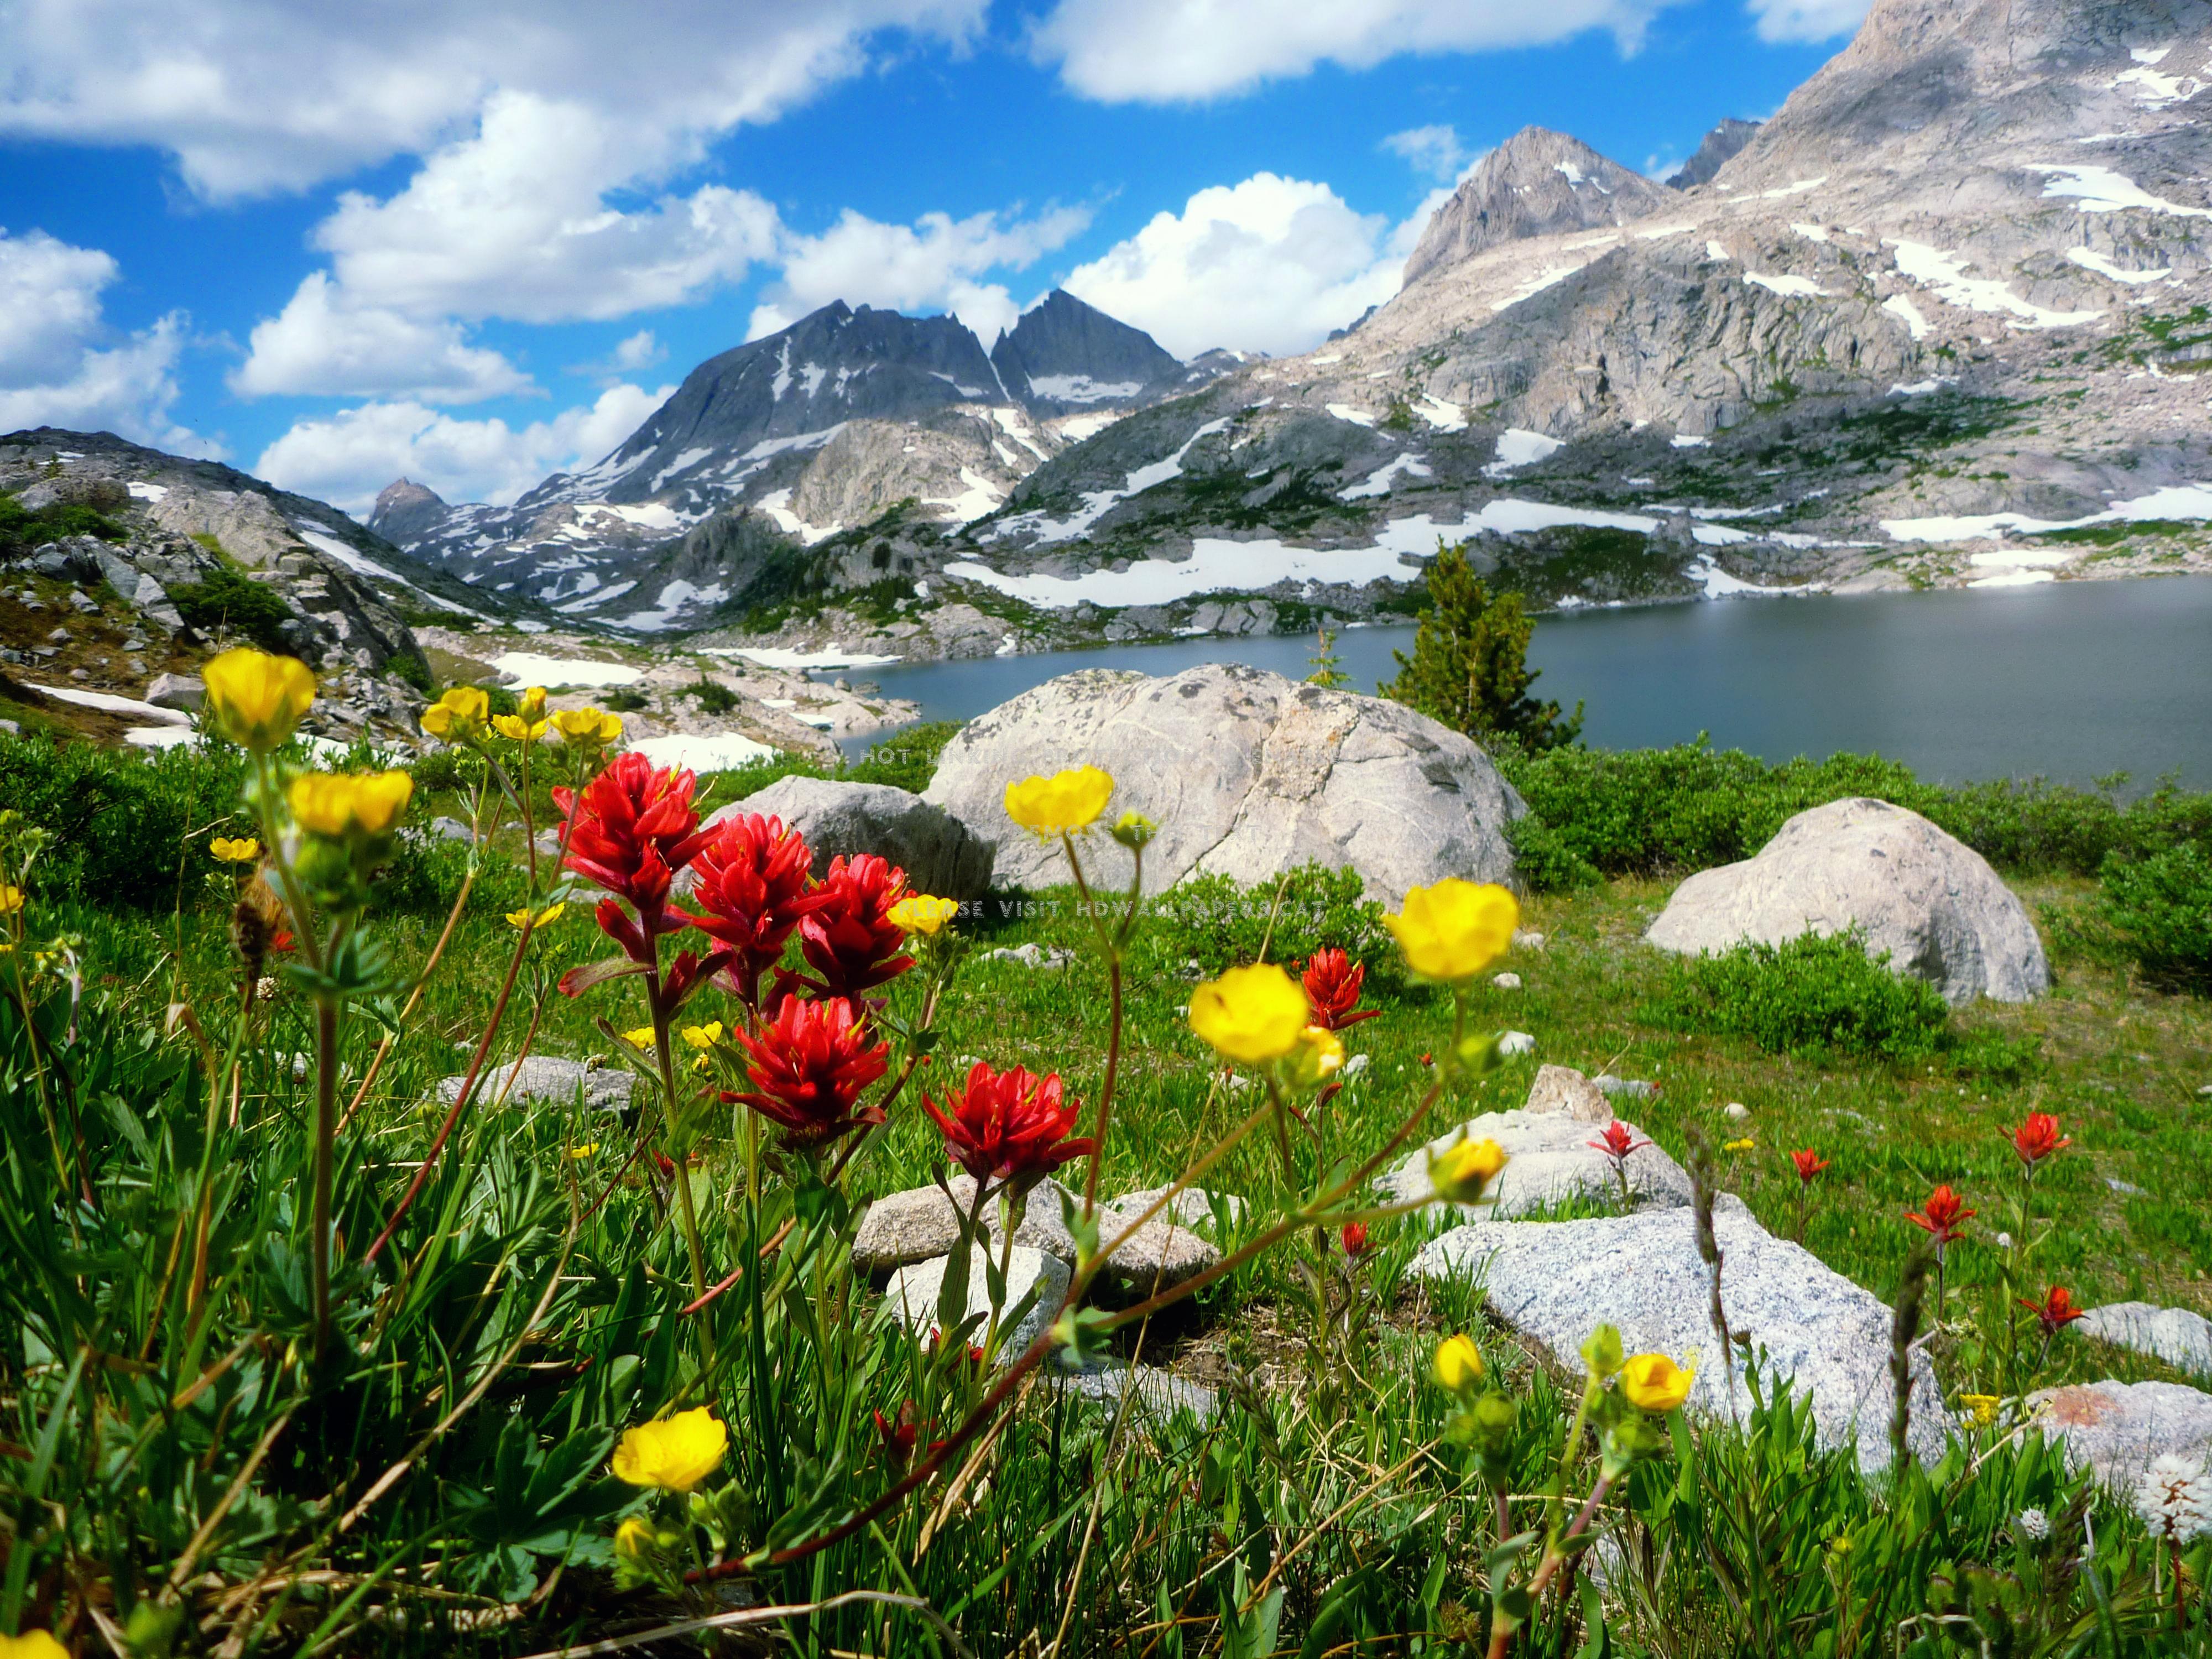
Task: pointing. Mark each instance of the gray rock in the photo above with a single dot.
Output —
(1563, 1088)
(1551, 1162)
(1525, 940)
(2179, 1337)
(2117, 1428)
(1031, 954)
(1634, 1088)
(1246, 773)
(11, 729)
(451, 828)
(936, 850)
(1507, 981)
(83, 603)
(1194, 1206)
(183, 692)
(554, 1081)
(1555, 1282)
(1512, 1043)
(913, 1292)
(1148, 1389)
(1934, 904)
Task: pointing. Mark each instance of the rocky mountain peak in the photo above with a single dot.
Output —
(1719, 146)
(1062, 355)
(406, 510)
(1537, 183)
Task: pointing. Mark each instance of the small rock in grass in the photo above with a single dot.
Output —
(2127, 1188)
(1523, 939)
(544, 1077)
(1635, 1088)
(1735, 1111)
(2206, 1089)
(1563, 1088)
(14, 729)
(2179, 1337)
(1512, 1043)
(1193, 1207)
(60, 637)
(1161, 1393)
(1507, 981)
(451, 828)
(913, 1295)
(2117, 1428)
(1549, 1162)
(1031, 954)
(1355, 1066)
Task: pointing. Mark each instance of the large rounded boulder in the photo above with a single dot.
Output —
(1933, 903)
(936, 851)
(1246, 773)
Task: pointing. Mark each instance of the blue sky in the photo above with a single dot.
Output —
(474, 240)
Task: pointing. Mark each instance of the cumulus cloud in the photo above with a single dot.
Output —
(325, 342)
(1270, 264)
(1807, 19)
(347, 458)
(1173, 51)
(1434, 150)
(255, 95)
(936, 264)
(61, 365)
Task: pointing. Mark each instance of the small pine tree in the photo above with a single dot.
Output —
(1326, 672)
(1470, 668)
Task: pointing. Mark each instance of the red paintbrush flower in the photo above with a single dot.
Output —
(1618, 1141)
(2055, 1311)
(630, 831)
(1009, 1125)
(1333, 981)
(1810, 1163)
(809, 1066)
(1355, 1238)
(2038, 1138)
(752, 886)
(1944, 1218)
(851, 941)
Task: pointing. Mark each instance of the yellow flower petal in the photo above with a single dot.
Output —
(1458, 1364)
(587, 728)
(1462, 1171)
(1061, 804)
(1253, 1014)
(918, 913)
(642, 1038)
(584, 1150)
(32, 1644)
(1654, 1382)
(243, 850)
(344, 806)
(257, 700)
(11, 899)
(458, 716)
(530, 705)
(1744, 1146)
(674, 1454)
(1452, 931)
(703, 1036)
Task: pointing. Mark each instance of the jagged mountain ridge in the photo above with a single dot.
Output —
(1536, 183)
(821, 426)
(1717, 149)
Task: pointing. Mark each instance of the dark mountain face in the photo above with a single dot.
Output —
(405, 512)
(1719, 146)
(1064, 355)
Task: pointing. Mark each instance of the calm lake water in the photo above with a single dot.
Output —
(2070, 681)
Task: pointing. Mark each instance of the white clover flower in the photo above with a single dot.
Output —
(2175, 1498)
(2033, 1525)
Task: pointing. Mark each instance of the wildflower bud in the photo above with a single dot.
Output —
(1625, 1440)
(1601, 1352)
(634, 1538)
(1462, 1171)
(1654, 1382)
(1318, 1057)
(1135, 830)
(1457, 1366)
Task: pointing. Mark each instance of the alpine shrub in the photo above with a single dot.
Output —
(1808, 995)
(2161, 909)
(1218, 923)
(222, 602)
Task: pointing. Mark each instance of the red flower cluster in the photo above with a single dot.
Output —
(850, 940)
(808, 1067)
(1333, 981)
(1009, 1125)
(1810, 1163)
(1944, 1219)
(1616, 1142)
(630, 831)
(1355, 1238)
(2038, 1138)
(2055, 1311)
(898, 1436)
(752, 881)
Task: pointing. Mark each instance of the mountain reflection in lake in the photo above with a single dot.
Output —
(2071, 681)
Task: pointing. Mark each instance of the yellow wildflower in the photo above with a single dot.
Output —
(642, 1038)
(1318, 1057)
(1061, 804)
(11, 899)
(1653, 1382)
(244, 850)
(546, 918)
(256, 700)
(459, 715)
(703, 1036)
(634, 1538)
(1984, 1407)
(1254, 1014)
(32, 1644)
(918, 913)
(1458, 1364)
(530, 705)
(344, 806)
(1462, 1171)
(1744, 1146)
(674, 1454)
(584, 1150)
(1452, 931)
(587, 728)
(513, 726)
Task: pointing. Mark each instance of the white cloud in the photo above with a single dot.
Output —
(60, 365)
(1270, 264)
(1807, 19)
(347, 458)
(325, 342)
(934, 264)
(639, 351)
(1435, 150)
(256, 95)
(1170, 51)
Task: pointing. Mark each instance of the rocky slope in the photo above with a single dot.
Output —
(1719, 146)
(1537, 183)
(789, 439)
(125, 564)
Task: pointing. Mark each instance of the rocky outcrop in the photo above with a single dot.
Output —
(548, 1080)
(936, 850)
(1933, 904)
(1551, 1162)
(1537, 183)
(1062, 355)
(406, 512)
(1555, 1282)
(1246, 773)
(1719, 146)
(2178, 1336)
(2117, 1429)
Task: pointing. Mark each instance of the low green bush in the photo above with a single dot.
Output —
(22, 529)
(1217, 922)
(624, 701)
(129, 829)
(906, 759)
(2161, 907)
(712, 697)
(1806, 996)
(425, 875)
(225, 602)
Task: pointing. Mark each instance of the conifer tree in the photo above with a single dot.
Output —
(1470, 668)
(1327, 672)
